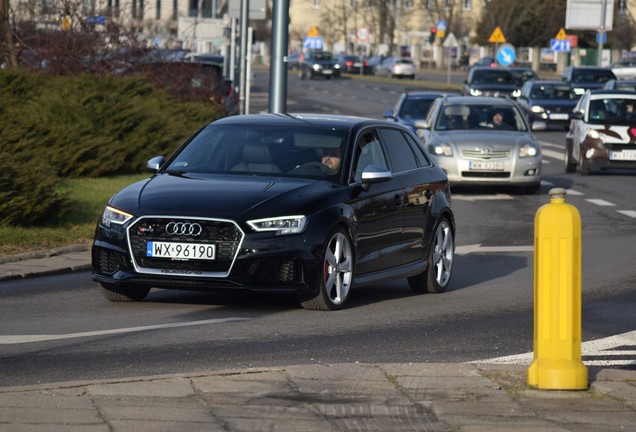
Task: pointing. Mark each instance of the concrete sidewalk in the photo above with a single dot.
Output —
(317, 397)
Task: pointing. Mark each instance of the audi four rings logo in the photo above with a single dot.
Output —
(184, 228)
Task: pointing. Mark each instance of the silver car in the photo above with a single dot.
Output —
(396, 67)
(483, 140)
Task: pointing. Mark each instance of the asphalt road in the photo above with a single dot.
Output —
(486, 314)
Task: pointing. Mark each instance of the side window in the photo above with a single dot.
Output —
(368, 151)
(418, 151)
(399, 151)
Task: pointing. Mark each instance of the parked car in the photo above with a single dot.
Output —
(624, 68)
(318, 63)
(582, 78)
(351, 64)
(411, 106)
(521, 74)
(482, 141)
(308, 204)
(373, 61)
(485, 81)
(602, 132)
(621, 84)
(547, 101)
(396, 67)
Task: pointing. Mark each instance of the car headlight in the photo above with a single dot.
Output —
(475, 92)
(516, 93)
(111, 216)
(316, 67)
(537, 109)
(443, 149)
(595, 134)
(282, 225)
(528, 150)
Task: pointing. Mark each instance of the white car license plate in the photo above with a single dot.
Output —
(486, 165)
(327, 71)
(558, 116)
(629, 155)
(156, 249)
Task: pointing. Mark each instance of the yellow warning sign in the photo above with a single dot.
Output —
(561, 35)
(313, 32)
(497, 36)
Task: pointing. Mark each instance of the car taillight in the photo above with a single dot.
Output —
(348, 63)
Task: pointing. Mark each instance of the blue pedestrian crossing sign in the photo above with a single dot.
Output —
(506, 55)
(560, 45)
(313, 42)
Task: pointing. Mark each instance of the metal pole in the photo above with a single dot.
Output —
(278, 66)
(601, 32)
(245, 7)
(250, 33)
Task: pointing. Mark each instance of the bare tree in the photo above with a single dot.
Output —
(6, 37)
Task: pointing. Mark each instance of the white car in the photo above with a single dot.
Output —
(396, 67)
(625, 68)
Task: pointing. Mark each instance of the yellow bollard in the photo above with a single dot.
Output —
(557, 363)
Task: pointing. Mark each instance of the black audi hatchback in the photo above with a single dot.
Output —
(302, 203)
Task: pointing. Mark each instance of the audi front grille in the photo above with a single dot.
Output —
(224, 235)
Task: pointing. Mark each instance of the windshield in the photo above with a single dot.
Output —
(617, 111)
(475, 117)
(553, 91)
(415, 109)
(592, 75)
(262, 150)
(492, 76)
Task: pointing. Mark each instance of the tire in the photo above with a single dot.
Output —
(123, 293)
(336, 276)
(584, 166)
(301, 73)
(568, 160)
(436, 277)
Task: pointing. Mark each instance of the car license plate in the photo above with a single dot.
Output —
(629, 155)
(327, 71)
(156, 249)
(486, 165)
(559, 116)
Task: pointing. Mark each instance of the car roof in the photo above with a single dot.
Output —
(423, 94)
(551, 82)
(478, 100)
(599, 93)
(340, 122)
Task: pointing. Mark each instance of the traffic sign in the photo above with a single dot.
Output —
(363, 33)
(598, 37)
(506, 55)
(561, 35)
(560, 45)
(313, 42)
(497, 36)
(313, 32)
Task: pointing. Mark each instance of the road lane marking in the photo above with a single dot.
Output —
(17, 339)
(482, 197)
(600, 202)
(630, 213)
(552, 154)
(599, 352)
(478, 248)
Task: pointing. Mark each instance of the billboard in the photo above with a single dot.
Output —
(586, 14)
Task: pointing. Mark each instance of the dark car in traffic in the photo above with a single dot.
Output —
(352, 64)
(308, 204)
(411, 106)
(547, 101)
(486, 81)
(521, 74)
(582, 78)
(620, 84)
(602, 133)
(318, 64)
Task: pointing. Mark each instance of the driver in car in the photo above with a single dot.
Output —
(331, 159)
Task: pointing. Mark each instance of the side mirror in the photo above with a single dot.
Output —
(421, 124)
(156, 163)
(389, 115)
(375, 174)
(577, 115)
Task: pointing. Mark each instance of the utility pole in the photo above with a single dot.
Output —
(5, 27)
(601, 32)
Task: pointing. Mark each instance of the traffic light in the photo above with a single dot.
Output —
(433, 34)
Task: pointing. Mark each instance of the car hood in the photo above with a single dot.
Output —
(496, 140)
(494, 87)
(220, 196)
(554, 103)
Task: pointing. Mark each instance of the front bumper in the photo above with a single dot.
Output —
(508, 171)
(254, 261)
(609, 156)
